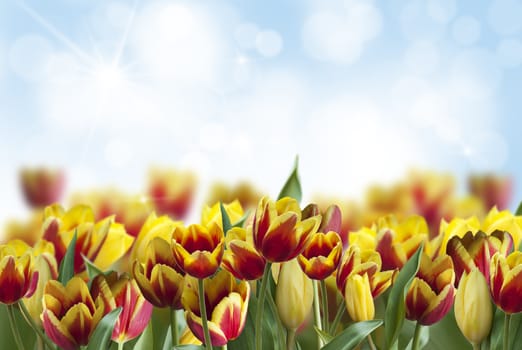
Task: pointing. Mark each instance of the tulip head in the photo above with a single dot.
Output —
(123, 292)
(18, 279)
(473, 309)
(210, 215)
(198, 250)
(241, 258)
(431, 293)
(42, 186)
(358, 298)
(226, 306)
(70, 314)
(171, 191)
(294, 294)
(493, 190)
(159, 279)
(279, 233)
(506, 281)
(504, 221)
(321, 255)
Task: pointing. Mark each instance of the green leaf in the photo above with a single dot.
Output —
(66, 271)
(102, 334)
(446, 335)
(324, 336)
(515, 330)
(241, 221)
(424, 337)
(353, 335)
(146, 339)
(497, 329)
(92, 270)
(224, 218)
(519, 209)
(395, 310)
(292, 187)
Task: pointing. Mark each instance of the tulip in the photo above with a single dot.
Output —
(494, 191)
(504, 221)
(358, 298)
(159, 280)
(123, 292)
(70, 314)
(212, 214)
(473, 251)
(243, 192)
(456, 227)
(294, 295)
(42, 186)
(241, 258)
(198, 250)
(18, 279)
(226, 307)
(322, 255)
(154, 226)
(102, 242)
(279, 233)
(431, 293)
(171, 191)
(506, 281)
(473, 309)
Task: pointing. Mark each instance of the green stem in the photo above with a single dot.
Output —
(173, 327)
(476, 346)
(203, 311)
(120, 345)
(260, 307)
(416, 337)
(324, 306)
(341, 308)
(34, 326)
(507, 321)
(290, 339)
(370, 342)
(317, 313)
(280, 327)
(14, 328)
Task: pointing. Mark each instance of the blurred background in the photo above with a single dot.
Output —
(363, 91)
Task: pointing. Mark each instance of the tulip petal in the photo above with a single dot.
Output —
(439, 306)
(227, 315)
(57, 332)
(217, 337)
(511, 291)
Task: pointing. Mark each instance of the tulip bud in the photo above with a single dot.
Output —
(473, 310)
(42, 186)
(294, 295)
(358, 298)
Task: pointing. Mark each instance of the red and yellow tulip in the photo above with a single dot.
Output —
(506, 281)
(171, 191)
(123, 292)
(432, 292)
(42, 186)
(279, 233)
(159, 279)
(226, 306)
(321, 255)
(241, 258)
(70, 314)
(18, 279)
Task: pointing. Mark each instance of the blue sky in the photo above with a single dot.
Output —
(361, 90)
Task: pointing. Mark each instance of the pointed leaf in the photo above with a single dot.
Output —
(324, 336)
(352, 336)
(92, 270)
(102, 334)
(395, 310)
(66, 271)
(292, 187)
(146, 339)
(224, 218)
(519, 209)
(242, 220)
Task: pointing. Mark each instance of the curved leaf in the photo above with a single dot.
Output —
(66, 271)
(395, 309)
(292, 187)
(353, 335)
(225, 220)
(146, 339)
(102, 334)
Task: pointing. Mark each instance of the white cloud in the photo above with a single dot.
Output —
(245, 35)
(341, 35)
(269, 43)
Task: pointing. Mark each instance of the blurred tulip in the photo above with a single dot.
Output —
(506, 281)
(474, 251)
(28, 230)
(159, 280)
(153, 227)
(493, 190)
(431, 293)
(279, 233)
(294, 295)
(102, 242)
(243, 192)
(212, 214)
(42, 186)
(123, 292)
(241, 258)
(226, 306)
(171, 191)
(473, 310)
(358, 298)
(198, 250)
(504, 221)
(364, 262)
(18, 278)
(70, 314)
(321, 255)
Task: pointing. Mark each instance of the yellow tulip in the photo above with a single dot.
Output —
(358, 298)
